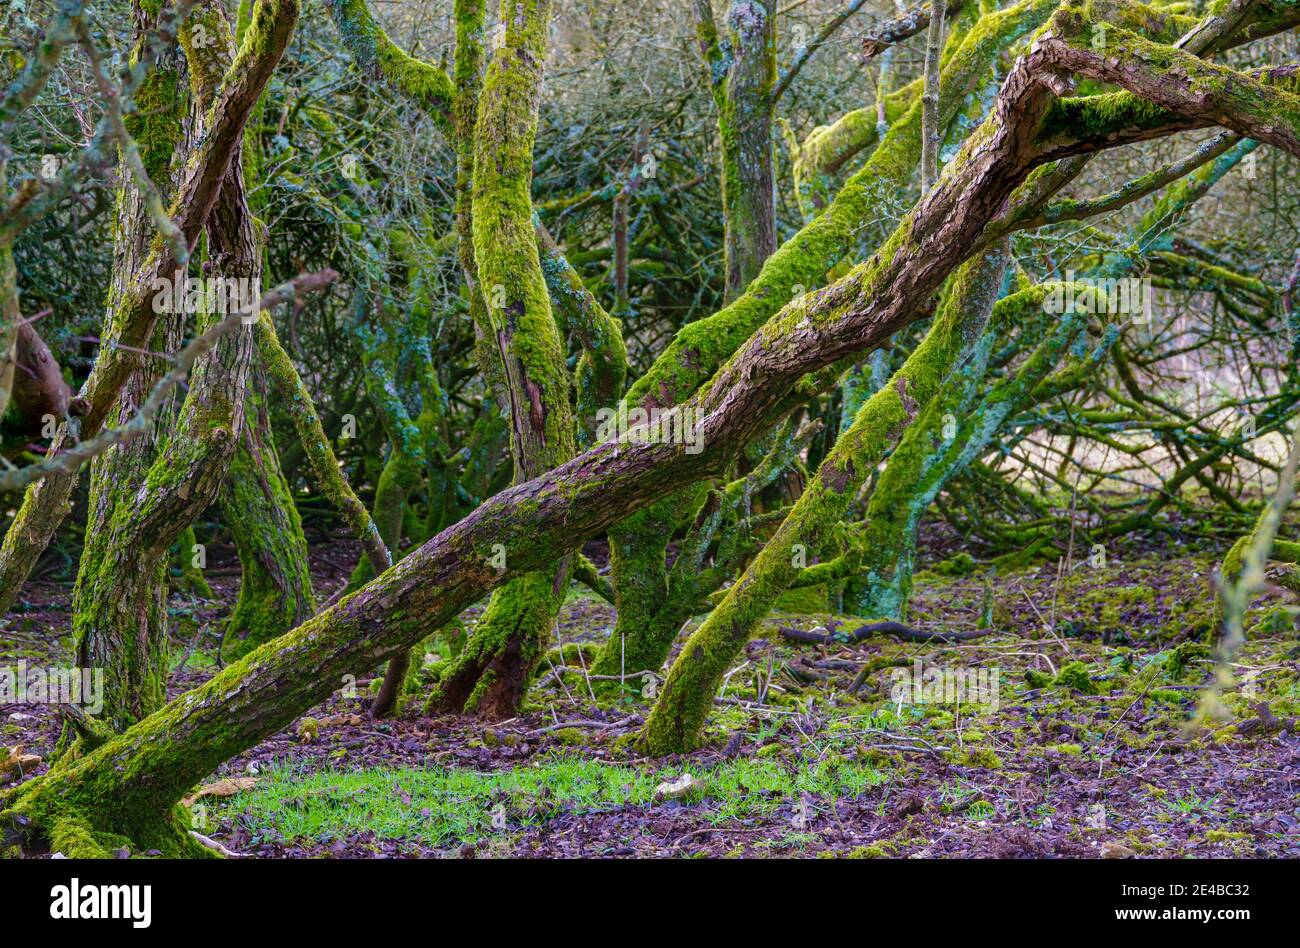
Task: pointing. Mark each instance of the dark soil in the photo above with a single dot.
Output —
(1050, 772)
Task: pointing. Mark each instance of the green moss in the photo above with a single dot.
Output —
(308, 730)
(1274, 620)
(1225, 836)
(963, 564)
(1075, 675)
(156, 123)
(377, 55)
(1038, 679)
(1179, 661)
(275, 589)
(804, 600)
(983, 757)
(881, 850)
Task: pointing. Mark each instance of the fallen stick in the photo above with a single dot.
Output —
(880, 628)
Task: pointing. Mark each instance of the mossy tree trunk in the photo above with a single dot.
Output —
(132, 320)
(742, 74)
(127, 788)
(678, 717)
(490, 675)
(275, 588)
(257, 504)
(969, 412)
(803, 261)
(649, 617)
(135, 664)
(142, 503)
(928, 456)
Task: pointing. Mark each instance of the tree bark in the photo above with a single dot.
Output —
(275, 588)
(132, 319)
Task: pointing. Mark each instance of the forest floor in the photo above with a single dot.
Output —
(1082, 747)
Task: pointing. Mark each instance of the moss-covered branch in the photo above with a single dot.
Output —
(379, 57)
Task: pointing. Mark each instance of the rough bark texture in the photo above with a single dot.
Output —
(142, 500)
(132, 320)
(492, 671)
(802, 262)
(275, 591)
(743, 78)
(678, 718)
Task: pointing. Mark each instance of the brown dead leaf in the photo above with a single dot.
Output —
(14, 763)
(335, 720)
(222, 788)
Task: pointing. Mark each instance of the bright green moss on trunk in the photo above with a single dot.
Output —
(505, 248)
(678, 718)
(802, 261)
(156, 123)
(275, 590)
(491, 674)
(602, 367)
(378, 56)
(743, 81)
(928, 456)
(649, 614)
(188, 577)
(316, 446)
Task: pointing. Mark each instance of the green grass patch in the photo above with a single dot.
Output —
(441, 806)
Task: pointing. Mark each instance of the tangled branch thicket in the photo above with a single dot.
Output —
(1022, 271)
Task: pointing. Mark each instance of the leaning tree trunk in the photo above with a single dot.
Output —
(142, 504)
(136, 665)
(802, 261)
(678, 717)
(929, 456)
